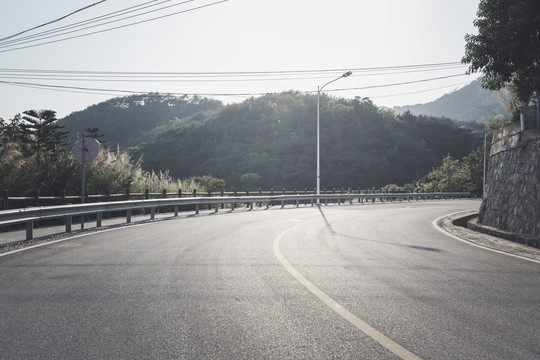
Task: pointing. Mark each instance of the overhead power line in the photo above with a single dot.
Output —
(124, 11)
(15, 46)
(125, 91)
(202, 77)
(53, 21)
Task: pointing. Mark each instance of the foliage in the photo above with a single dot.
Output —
(129, 120)
(266, 142)
(507, 47)
(41, 135)
(274, 136)
(22, 172)
(205, 183)
(250, 181)
(454, 175)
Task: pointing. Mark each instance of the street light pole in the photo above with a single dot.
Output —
(319, 89)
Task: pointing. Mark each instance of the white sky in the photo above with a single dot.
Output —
(240, 36)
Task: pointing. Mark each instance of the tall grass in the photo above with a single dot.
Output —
(111, 172)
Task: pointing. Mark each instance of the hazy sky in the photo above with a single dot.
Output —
(237, 37)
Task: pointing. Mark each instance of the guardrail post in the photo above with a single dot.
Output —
(29, 230)
(36, 198)
(194, 192)
(128, 194)
(152, 213)
(147, 194)
(267, 205)
(216, 207)
(179, 193)
(63, 197)
(222, 194)
(6, 200)
(99, 219)
(282, 204)
(69, 222)
(164, 193)
(176, 210)
(128, 216)
(250, 206)
(297, 203)
(196, 209)
(233, 206)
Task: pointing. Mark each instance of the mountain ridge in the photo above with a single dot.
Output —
(470, 103)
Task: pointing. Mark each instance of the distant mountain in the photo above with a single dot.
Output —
(129, 120)
(470, 103)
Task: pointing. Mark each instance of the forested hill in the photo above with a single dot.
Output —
(271, 142)
(470, 103)
(127, 120)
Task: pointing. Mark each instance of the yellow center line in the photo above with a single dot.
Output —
(340, 310)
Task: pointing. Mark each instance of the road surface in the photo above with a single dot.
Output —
(374, 281)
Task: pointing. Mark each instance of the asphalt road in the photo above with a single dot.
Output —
(339, 282)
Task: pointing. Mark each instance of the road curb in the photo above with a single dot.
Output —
(454, 224)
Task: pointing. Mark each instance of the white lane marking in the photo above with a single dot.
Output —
(436, 226)
(340, 310)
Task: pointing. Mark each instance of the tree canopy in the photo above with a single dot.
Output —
(270, 142)
(507, 46)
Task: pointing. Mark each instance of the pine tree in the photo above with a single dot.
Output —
(40, 134)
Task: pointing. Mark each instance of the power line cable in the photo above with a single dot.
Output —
(53, 21)
(79, 88)
(115, 28)
(420, 91)
(188, 79)
(84, 22)
(74, 27)
(368, 71)
(397, 84)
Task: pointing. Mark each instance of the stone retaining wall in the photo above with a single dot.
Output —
(512, 199)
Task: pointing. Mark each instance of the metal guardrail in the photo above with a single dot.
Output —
(29, 215)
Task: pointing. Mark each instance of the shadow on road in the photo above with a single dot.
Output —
(333, 232)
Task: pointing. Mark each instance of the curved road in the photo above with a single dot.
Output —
(348, 282)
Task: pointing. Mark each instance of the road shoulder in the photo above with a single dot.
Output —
(448, 224)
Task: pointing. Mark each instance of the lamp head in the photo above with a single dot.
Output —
(348, 73)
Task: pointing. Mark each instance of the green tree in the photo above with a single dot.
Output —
(41, 135)
(507, 47)
(455, 175)
(250, 181)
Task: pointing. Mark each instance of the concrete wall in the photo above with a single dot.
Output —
(512, 201)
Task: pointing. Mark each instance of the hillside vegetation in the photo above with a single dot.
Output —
(266, 142)
(270, 142)
(127, 120)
